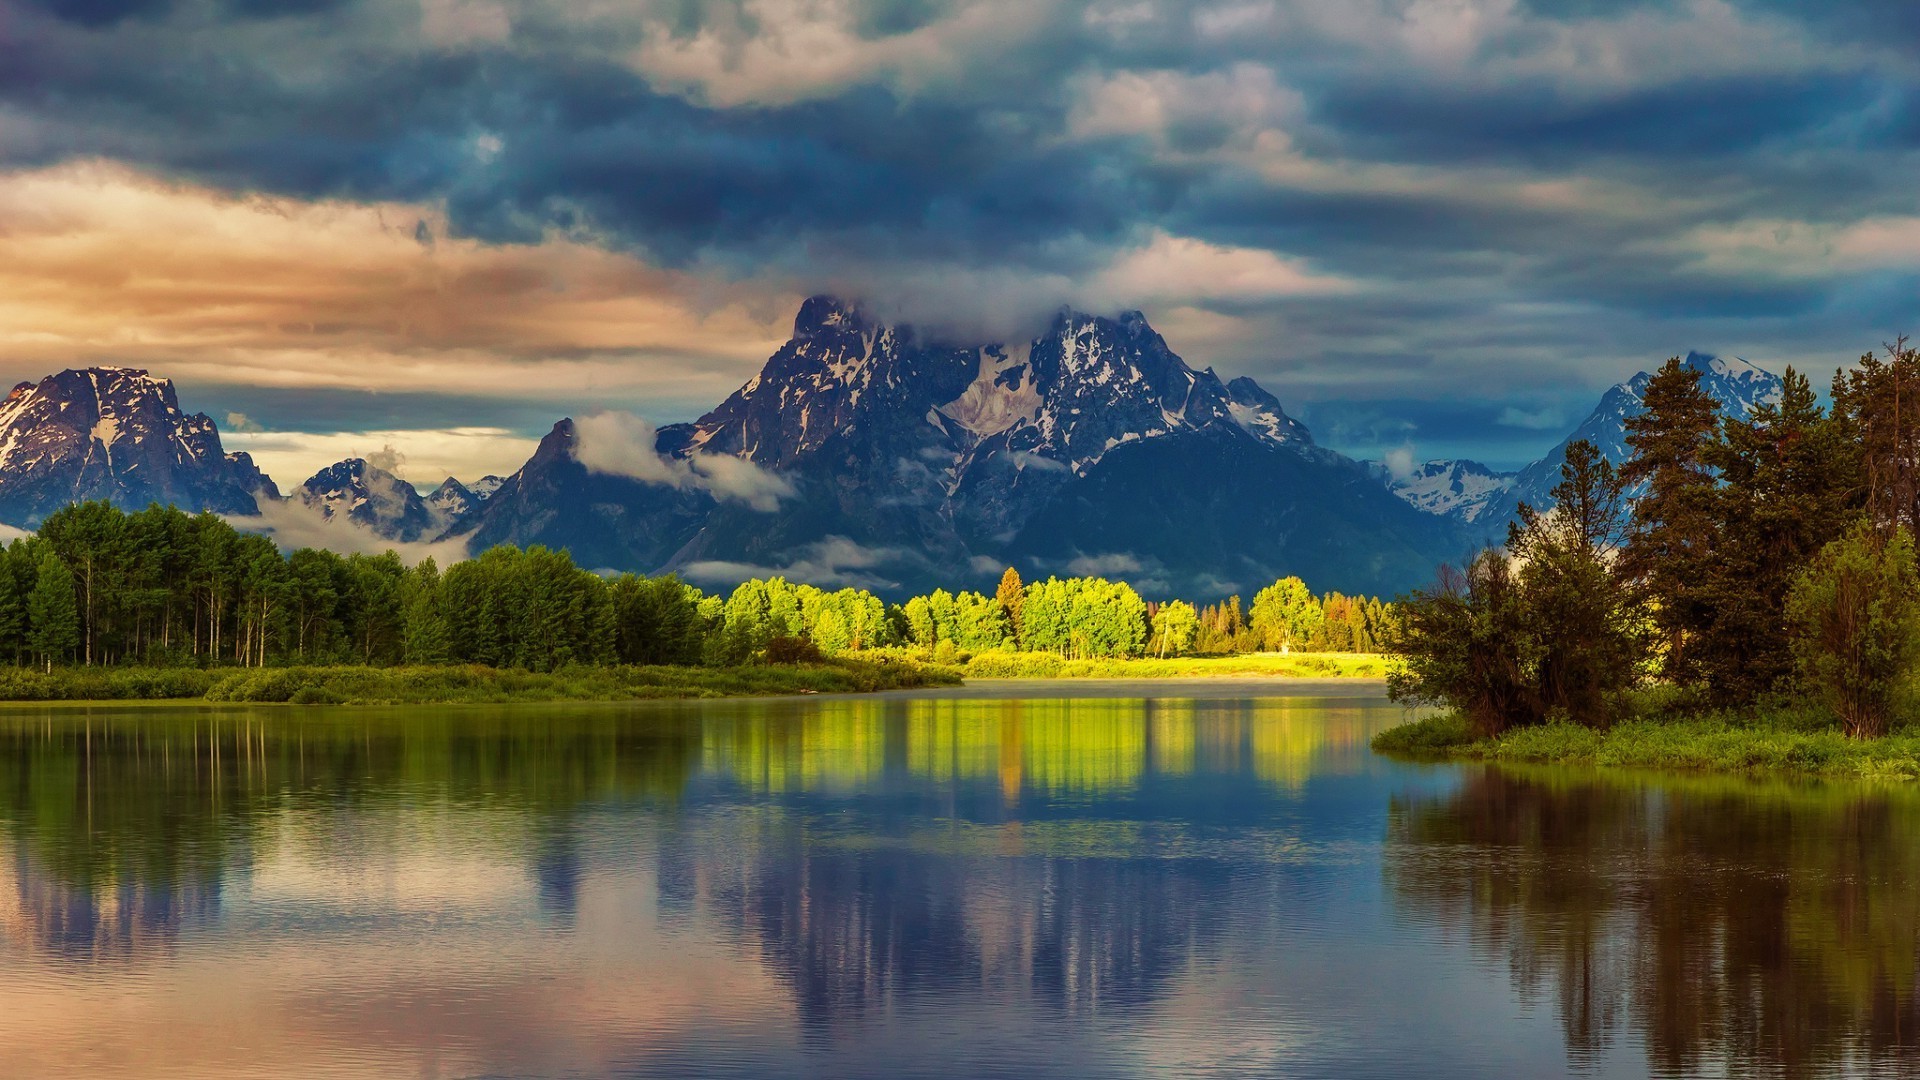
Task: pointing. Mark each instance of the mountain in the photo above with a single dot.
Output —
(1460, 489)
(373, 498)
(452, 503)
(866, 454)
(1738, 386)
(483, 488)
(116, 434)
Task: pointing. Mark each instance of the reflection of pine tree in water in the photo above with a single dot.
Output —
(1728, 927)
(860, 931)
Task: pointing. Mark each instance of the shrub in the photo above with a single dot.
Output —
(792, 650)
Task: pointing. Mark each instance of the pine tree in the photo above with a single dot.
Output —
(1670, 547)
(1790, 484)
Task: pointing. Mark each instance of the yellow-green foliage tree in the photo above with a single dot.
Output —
(1085, 617)
(1285, 615)
(1175, 627)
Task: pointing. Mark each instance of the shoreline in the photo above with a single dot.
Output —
(1700, 745)
(837, 677)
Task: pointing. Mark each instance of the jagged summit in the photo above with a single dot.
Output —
(117, 434)
(909, 457)
(370, 496)
(1087, 384)
(1460, 489)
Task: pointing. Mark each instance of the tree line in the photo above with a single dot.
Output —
(1735, 561)
(98, 586)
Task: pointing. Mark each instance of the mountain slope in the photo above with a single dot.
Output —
(863, 453)
(116, 434)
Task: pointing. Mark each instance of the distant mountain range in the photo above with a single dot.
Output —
(1484, 501)
(865, 454)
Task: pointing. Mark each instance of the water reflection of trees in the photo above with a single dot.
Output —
(124, 823)
(1730, 927)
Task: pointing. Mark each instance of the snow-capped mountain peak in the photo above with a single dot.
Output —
(1738, 386)
(1459, 489)
(117, 434)
(368, 495)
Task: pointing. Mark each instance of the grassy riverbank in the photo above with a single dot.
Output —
(466, 684)
(1009, 665)
(1783, 741)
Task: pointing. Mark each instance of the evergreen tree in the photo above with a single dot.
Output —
(1789, 485)
(1671, 546)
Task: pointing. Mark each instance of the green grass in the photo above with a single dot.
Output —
(454, 685)
(1760, 742)
(1010, 665)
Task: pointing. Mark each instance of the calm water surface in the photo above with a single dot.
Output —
(1000, 881)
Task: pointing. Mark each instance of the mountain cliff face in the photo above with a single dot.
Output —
(877, 456)
(116, 434)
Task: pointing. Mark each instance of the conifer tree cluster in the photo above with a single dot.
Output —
(1737, 558)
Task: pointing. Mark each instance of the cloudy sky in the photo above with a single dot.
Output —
(1436, 225)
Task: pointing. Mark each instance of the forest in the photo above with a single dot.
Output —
(98, 586)
(1757, 567)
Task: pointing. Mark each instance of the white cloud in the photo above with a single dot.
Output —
(293, 525)
(1546, 419)
(778, 52)
(835, 561)
(1112, 565)
(1400, 462)
(621, 444)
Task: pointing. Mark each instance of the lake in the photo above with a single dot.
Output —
(1001, 880)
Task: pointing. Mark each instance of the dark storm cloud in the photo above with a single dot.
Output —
(1495, 183)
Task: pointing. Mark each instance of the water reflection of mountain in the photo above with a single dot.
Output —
(56, 918)
(998, 866)
(1731, 928)
(879, 926)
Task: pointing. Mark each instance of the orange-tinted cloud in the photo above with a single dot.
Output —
(99, 263)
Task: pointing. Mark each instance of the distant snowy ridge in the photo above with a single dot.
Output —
(1488, 501)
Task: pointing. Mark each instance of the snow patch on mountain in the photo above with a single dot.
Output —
(1459, 489)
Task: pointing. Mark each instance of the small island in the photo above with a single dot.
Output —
(1741, 595)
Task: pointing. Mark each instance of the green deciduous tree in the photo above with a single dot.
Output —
(1285, 615)
(1854, 613)
(53, 612)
